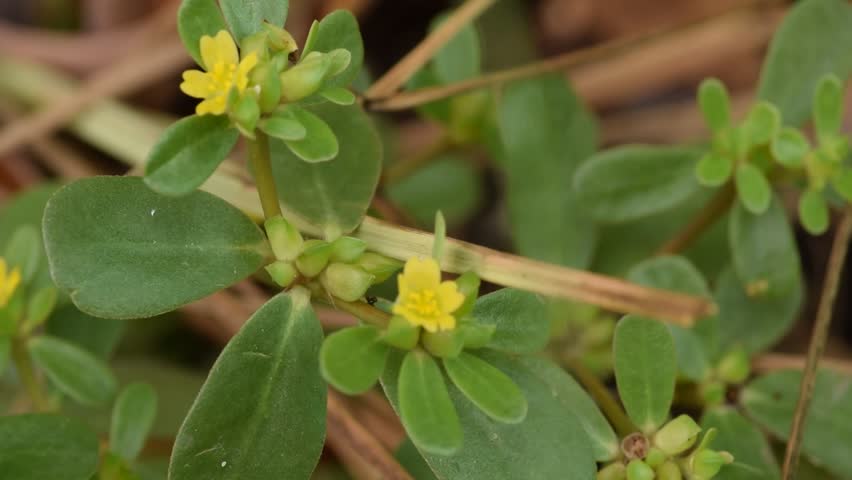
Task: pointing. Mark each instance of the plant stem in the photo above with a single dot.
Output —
(836, 261)
(262, 167)
(712, 212)
(24, 367)
(364, 311)
(602, 396)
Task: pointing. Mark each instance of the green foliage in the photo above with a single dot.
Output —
(339, 29)
(24, 252)
(487, 387)
(753, 188)
(546, 134)
(246, 17)
(97, 335)
(264, 399)
(750, 448)
(632, 182)
(771, 400)
(319, 144)
(143, 254)
(353, 359)
(645, 370)
(813, 212)
(715, 104)
(132, 417)
(197, 18)
(74, 371)
(520, 319)
(189, 152)
(46, 447)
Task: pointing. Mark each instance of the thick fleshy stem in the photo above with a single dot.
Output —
(262, 168)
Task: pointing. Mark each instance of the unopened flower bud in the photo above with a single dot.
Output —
(734, 366)
(705, 464)
(279, 39)
(655, 457)
(270, 87)
(613, 471)
(346, 282)
(285, 239)
(639, 470)
(305, 78)
(443, 343)
(713, 392)
(282, 272)
(380, 266)
(401, 333)
(246, 113)
(468, 284)
(677, 436)
(669, 471)
(476, 335)
(256, 43)
(347, 249)
(314, 257)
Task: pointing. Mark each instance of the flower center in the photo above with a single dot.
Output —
(224, 77)
(423, 303)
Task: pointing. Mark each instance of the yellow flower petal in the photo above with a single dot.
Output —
(245, 67)
(449, 297)
(446, 322)
(213, 106)
(218, 49)
(196, 84)
(8, 282)
(422, 274)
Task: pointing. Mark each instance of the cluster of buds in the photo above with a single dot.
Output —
(585, 332)
(671, 455)
(343, 267)
(732, 369)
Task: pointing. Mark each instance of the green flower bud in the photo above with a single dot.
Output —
(285, 239)
(279, 39)
(346, 282)
(444, 344)
(639, 470)
(734, 366)
(613, 471)
(468, 284)
(475, 334)
(655, 457)
(257, 44)
(713, 392)
(283, 273)
(378, 265)
(245, 114)
(314, 257)
(270, 87)
(347, 249)
(678, 435)
(705, 464)
(669, 471)
(401, 334)
(467, 114)
(305, 78)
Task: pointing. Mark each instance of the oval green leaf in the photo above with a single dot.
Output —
(715, 104)
(487, 387)
(753, 188)
(813, 212)
(261, 412)
(828, 106)
(76, 372)
(24, 252)
(460, 58)
(339, 29)
(189, 151)
(97, 335)
(520, 318)
(132, 417)
(753, 456)
(46, 447)
(319, 144)
(332, 195)
(197, 18)
(122, 251)
(714, 169)
(627, 183)
(645, 370)
(246, 17)
(283, 125)
(790, 147)
(353, 359)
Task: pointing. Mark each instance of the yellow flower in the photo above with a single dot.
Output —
(8, 282)
(423, 299)
(224, 72)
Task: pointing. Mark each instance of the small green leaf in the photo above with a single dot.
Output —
(425, 407)
(771, 402)
(645, 370)
(414, 463)
(753, 188)
(339, 95)
(319, 144)
(813, 212)
(40, 307)
(188, 152)
(828, 106)
(761, 124)
(487, 387)
(27, 208)
(132, 418)
(632, 182)
(460, 58)
(264, 399)
(197, 18)
(521, 320)
(753, 456)
(283, 125)
(714, 169)
(763, 249)
(790, 147)
(246, 17)
(46, 447)
(715, 104)
(143, 254)
(97, 335)
(842, 182)
(339, 29)
(74, 371)
(24, 252)
(353, 359)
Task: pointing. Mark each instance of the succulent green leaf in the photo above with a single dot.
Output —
(632, 182)
(122, 251)
(714, 170)
(645, 370)
(197, 18)
(409, 457)
(283, 125)
(246, 17)
(790, 147)
(828, 106)
(332, 195)
(811, 42)
(338, 95)
(99, 336)
(132, 418)
(189, 152)
(353, 359)
(753, 188)
(24, 252)
(715, 104)
(46, 447)
(771, 402)
(761, 124)
(39, 307)
(76, 372)
(319, 143)
(753, 456)
(425, 407)
(842, 183)
(521, 320)
(813, 212)
(264, 399)
(487, 387)
(27, 208)
(763, 249)
(339, 29)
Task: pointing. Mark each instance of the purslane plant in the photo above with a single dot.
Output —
(477, 383)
